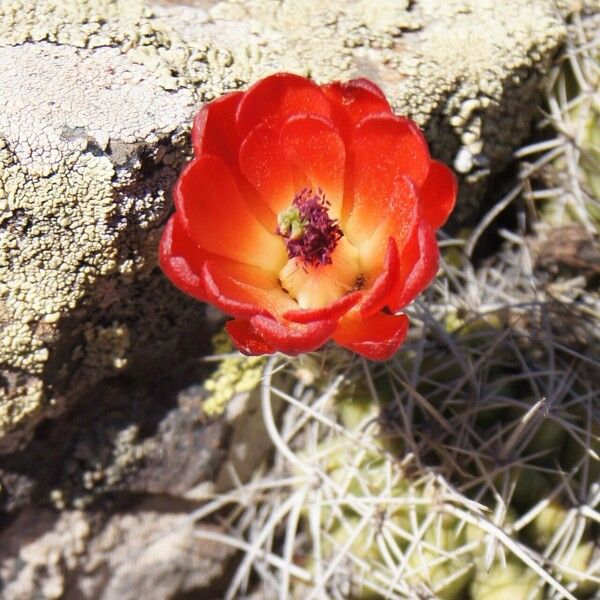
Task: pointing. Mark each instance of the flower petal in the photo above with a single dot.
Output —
(335, 310)
(214, 129)
(293, 338)
(376, 338)
(181, 260)
(376, 297)
(278, 97)
(353, 100)
(418, 266)
(243, 290)
(398, 216)
(382, 147)
(438, 194)
(215, 215)
(314, 144)
(245, 338)
(264, 164)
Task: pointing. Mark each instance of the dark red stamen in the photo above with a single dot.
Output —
(316, 235)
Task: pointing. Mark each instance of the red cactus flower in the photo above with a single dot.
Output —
(308, 213)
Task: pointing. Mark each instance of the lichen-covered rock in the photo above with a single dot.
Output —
(96, 99)
(90, 142)
(124, 438)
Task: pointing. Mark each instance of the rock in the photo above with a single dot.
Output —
(90, 144)
(155, 556)
(96, 100)
(122, 441)
(79, 556)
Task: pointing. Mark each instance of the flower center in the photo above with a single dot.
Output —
(308, 231)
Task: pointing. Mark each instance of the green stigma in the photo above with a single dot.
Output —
(291, 223)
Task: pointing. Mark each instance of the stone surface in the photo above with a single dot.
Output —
(79, 556)
(88, 151)
(122, 470)
(125, 439)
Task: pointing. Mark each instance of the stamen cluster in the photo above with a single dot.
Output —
(309, 232)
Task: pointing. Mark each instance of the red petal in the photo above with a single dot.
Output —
(181, 260)
(384, 148)
(418, 263)
(438, 194)
(387, 142)
(377, 295)
(293, 338)
(313, 144)
(245, 338)
(371, 225)
(335, 310)
(264, 164)
(216, 216)
(214, 130)
(377, 338)
(353, 100)
(235, 289)
(278, 97)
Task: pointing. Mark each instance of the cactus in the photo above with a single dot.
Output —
(506, 582)
(525, 462)
(571, 158)
(464, 468)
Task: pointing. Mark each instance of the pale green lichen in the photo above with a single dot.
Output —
(80, 23)
(128, 449)
(235, 374)
(20, 402)
(488, 90)
(41, 260)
